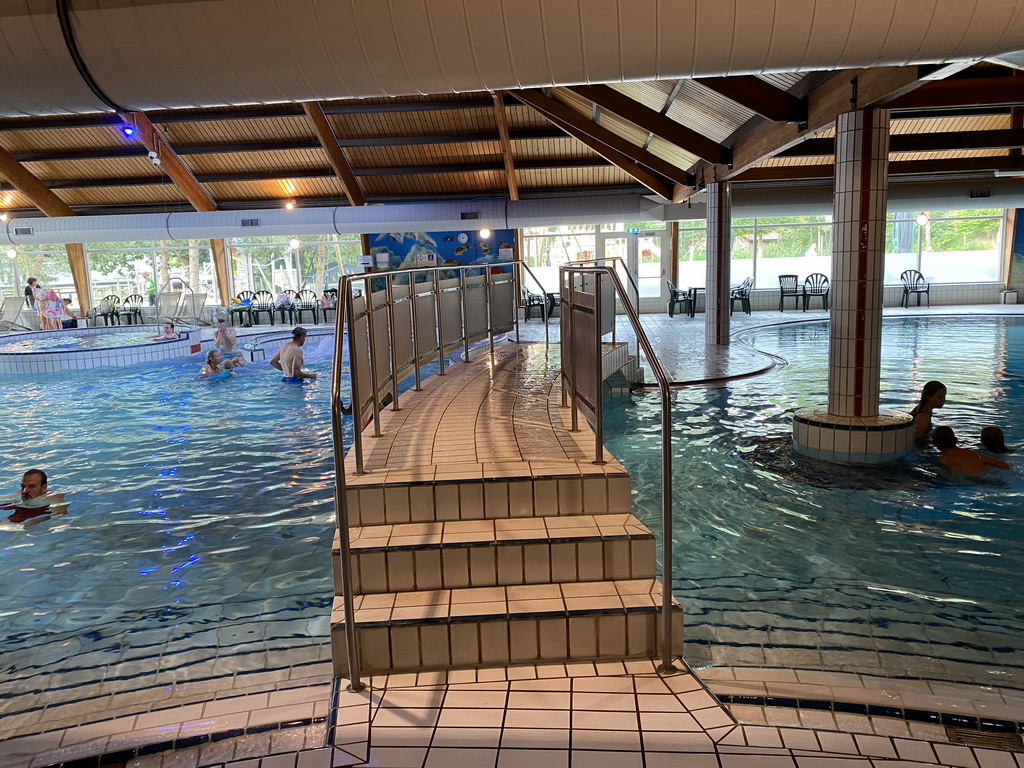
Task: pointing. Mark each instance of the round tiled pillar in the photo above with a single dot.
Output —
(719, 253)
(852, 430)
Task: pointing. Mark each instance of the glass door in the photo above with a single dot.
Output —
(642, 252)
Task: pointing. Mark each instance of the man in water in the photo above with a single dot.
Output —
(33, 500)
(288, 358)
(962, 460)
(226, 340)
(169, 333)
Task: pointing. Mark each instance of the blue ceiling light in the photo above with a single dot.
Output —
(127, 130)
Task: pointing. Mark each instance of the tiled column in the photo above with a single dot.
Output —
(852, 430)
(716, 307)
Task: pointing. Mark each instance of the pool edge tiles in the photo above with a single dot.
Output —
(61, 360)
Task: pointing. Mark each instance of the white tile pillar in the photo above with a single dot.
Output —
(719, 254)
(852, 430)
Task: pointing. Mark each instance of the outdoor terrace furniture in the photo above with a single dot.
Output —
(532, 301)
(10, 313)
(243, 308)
(262, 301)
(679, 298)
(816, 285)
(131, 308)
(741, 293)
(913, 282)
(330, 302)
(788, 288)
(286, 306)
(306, 301)
(110, 310)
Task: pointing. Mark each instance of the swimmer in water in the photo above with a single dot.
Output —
(212, 367)
(933, 396)
(33, 500)
(169, 333)
(961, 460)
(288, 358)
(992, 440)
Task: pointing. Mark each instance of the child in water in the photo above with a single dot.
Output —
(992, 440)
(961, 460)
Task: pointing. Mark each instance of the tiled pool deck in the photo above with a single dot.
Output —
(276, 710)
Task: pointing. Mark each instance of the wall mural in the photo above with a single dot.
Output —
(408, 250)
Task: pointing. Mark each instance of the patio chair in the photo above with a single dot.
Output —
(242, 308)
(131, 308)
(788, 288)
(532, 301)
(330, 302)
(913, 282)
(741, 293)
(192, 308)
(167, 306)
(109, 309)
(681, 298)
(288, 306)
(262, 301)
(816, 285)
(306, 301)
(10, 313)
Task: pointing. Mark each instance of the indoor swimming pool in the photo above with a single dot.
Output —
(782, 561)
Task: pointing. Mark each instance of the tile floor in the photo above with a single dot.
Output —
(578, 714)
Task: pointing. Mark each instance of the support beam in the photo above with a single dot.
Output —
(170, 163)
(613, 148)
(922, 142)
(896, 168)
(506, 146)
(962, 92)
(50, 205)
(654, 122)
(220, 265)
(335, 156)
(758, 96)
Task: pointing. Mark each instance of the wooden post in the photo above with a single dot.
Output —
(220, 266)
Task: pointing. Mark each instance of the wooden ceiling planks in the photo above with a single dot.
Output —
(254, 130)
(426, 154)
(284, 189)
(99, 137)
(251, 162)
(112, 168)
(156, 193)
(556, 178)
(413, 123)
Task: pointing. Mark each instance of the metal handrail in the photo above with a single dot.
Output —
(666, 427)
(617, 261)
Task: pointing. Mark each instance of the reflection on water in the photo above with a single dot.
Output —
(786, 561)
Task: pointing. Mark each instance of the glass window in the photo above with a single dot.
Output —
(692, 255)
(271, 264)
(945, 246)
(46, 263)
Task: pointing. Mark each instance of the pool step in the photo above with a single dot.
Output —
(425, 495)
(495, 626)
(485, 553)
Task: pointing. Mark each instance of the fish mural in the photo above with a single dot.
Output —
(446, 248)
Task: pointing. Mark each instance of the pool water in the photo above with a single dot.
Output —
(902, 571)
(71, 342)
(197, 539)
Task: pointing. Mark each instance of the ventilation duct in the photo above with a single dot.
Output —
(155, 54)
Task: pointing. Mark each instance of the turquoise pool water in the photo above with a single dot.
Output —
(70, 342)
(784, 561)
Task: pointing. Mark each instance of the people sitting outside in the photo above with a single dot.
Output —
(168, 333)
(288, 359)
(933, 396)
(226, 340)
(961, 460)
(33, 500)
(992, 440)
(70, 318)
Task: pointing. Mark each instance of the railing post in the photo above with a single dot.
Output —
(599, 388)
(373, 358)
(465, 314)
(573, 401)
(390, 285)
(353, 374)
(437, 314)
(415, 330)
(490, 323)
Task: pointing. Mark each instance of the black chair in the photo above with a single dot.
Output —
(242, 307)
(306, 301)
(131, 308)
(816, 285)
(531, 301)
(109, 310)
(913, 282)
(788, 288)
(330, 302)
(680, 298)
(741, 293)
(288, 306)
(262, 301)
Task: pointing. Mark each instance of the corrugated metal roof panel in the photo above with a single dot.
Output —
(675, 155)
(652, 93)
(782, 80)
(706, 112)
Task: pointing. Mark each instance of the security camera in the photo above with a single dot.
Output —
(156, 161)
(151, 155)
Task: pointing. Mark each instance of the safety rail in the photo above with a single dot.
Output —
(391, 324)
(620, 265)
(577, 281)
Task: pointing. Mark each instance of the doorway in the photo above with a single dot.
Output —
(643, 254)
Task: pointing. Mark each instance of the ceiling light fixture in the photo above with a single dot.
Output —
(3, 217)
(294, 243)
(923, 219)
(11, 253)
(290, 205)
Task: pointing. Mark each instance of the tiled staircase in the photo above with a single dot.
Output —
(476, 564)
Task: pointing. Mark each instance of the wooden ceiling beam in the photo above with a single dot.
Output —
(506, 146)
(34, 190)
(962, 92)
(335, 155)
(653, 122)
(610, 146)
(758, 96)
(170, 163)
(896, 168)
(950, 141)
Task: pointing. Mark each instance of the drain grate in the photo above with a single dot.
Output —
(984, 739)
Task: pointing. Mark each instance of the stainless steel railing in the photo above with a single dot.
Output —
(570, 286)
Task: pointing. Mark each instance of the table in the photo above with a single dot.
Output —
(695, 292)
(553, 298)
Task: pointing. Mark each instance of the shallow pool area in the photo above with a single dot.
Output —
(81, 349)
(783, 561)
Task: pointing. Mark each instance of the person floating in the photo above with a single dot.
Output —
(288, 359)
(961, 460)
(932, 396)
(992, 440)
(169, 333)
(33, 500)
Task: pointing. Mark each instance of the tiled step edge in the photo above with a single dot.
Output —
(380, 498)
(496, 626)
(486, 553)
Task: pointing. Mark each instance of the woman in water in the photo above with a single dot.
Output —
(932, 396)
